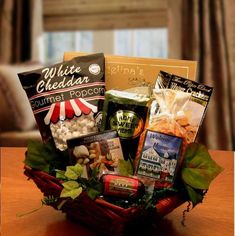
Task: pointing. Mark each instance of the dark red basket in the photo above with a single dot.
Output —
(102, 216)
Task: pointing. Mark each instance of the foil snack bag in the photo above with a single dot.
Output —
(67, 98)
(126, 113)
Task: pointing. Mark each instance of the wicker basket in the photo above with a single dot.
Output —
(100, 215)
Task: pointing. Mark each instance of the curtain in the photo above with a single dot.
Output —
(20, 30)
(103, 14)
(203, 30)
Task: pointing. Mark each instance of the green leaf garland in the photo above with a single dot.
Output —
(197, 172)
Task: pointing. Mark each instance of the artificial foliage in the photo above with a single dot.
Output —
(197, 172)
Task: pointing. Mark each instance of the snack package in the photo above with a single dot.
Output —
(102, 151)
(163, 141)
(122, 186)
(167, 112)
(125, 112)
(194, 111)
(159, 158)
(67, 98)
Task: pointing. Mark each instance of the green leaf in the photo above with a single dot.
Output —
(94, 188)
(94, 173)
(45, 157)
(74, 172)
(92, 193)
(70, 185)
(60, 175)
(196, 196)
(199, 169)
(125, 167)
(165, 192)
(71, 189)
(71, 193)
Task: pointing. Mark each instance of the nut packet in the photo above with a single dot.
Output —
(67, 98)
(125, 112)
(101, 151)
(194, 111)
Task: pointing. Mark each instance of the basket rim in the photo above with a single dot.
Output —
(50, 184)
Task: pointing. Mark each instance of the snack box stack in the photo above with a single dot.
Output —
(111, 158)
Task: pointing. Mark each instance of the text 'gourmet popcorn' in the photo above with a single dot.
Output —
(67, 98)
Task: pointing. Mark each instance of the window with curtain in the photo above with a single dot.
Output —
(128, 28)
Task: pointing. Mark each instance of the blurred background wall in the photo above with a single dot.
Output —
(37, 32)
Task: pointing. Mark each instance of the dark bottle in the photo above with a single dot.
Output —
(122, 186)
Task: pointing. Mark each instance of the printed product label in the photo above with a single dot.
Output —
(195, 108)
(102, 151)
(126, 113)
(127, 123)
(58, 84)
(159, 156)
(120, 186)
(67, 98)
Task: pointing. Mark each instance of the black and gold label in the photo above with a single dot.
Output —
(128, 120)
(127, 123)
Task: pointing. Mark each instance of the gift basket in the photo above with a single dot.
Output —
(114, 159)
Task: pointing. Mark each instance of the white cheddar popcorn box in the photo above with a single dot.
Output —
(67, 98)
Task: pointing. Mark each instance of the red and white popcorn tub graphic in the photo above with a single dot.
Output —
(70, 119)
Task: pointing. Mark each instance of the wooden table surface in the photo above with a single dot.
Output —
(214, 217)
